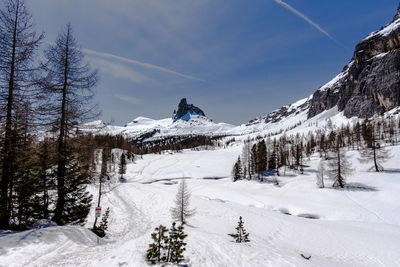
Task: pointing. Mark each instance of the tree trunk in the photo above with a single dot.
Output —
(98, 204)
(62, 157)
(8, 150)
(339, 170)
(374, 151)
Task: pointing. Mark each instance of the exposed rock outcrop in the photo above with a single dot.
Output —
(185, 110)
(370, 84)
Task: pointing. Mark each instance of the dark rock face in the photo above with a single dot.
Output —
(370, 84)
(185, 108)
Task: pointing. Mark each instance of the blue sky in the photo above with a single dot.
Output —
(235, 59)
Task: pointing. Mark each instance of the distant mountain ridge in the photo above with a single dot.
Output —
(188, 120)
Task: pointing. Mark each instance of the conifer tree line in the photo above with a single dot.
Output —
(174, 143)
(44, 167)
(264, 156)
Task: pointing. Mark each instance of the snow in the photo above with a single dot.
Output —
(298, 103)
(381, 55)
(357, 226)
(386, 30)
(335, 80)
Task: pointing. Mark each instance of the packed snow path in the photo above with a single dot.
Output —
(359, 226)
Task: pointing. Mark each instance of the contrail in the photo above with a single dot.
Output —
(304, 17)
(138, 63)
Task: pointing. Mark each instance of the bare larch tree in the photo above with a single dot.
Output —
(18, 44)
(182, 211)
(69, 82)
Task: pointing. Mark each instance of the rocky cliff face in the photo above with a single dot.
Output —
(185, 110)
(370, 84)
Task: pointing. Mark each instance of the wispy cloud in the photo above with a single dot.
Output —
(129, 99)
(117, 70)
(138, 63)
(308, 20)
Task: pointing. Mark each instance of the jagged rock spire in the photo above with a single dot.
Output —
(185, 108)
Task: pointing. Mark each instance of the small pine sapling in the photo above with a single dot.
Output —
(241, 235)
(102, 228)
(156, 251)
(176, 244)
(104, 221)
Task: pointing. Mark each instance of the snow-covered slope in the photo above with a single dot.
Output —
(357, 226)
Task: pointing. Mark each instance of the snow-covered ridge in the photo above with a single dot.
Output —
(385, 31)
(338, 79)
(190, 125)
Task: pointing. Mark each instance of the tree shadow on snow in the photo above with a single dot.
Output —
(359, 187)
(308, 216)
(166, 180)
(391, 171)
(215, 178)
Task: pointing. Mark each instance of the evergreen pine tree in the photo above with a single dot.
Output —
(122, 165)
(156, 251)
(176, 244)
(237, 170)
(241, 234)
(261, 157)
(25, 205)
(77, 198)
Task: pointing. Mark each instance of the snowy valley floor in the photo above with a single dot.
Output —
(358, 226)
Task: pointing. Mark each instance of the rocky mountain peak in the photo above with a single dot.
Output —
(370, 83)
(185, 110)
